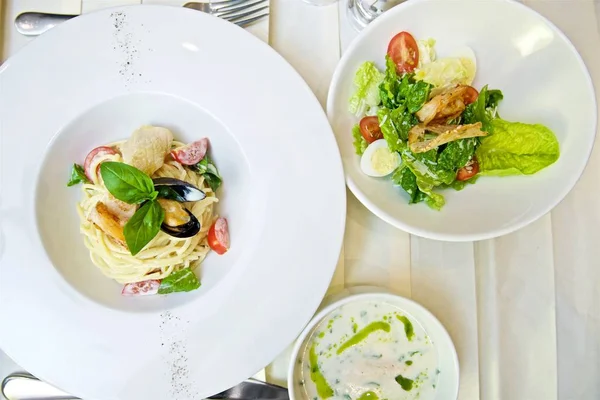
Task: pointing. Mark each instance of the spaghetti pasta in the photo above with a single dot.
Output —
(164, 254)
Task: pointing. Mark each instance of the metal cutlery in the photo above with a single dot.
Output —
(24, 386)
(240, 12)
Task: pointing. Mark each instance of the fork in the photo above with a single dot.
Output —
(239, 12)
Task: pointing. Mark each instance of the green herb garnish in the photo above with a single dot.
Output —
(132, 186)
(127, 183)
(143, 226)
(181, 281)
(405, 383)
(209, 171)
(77, 175)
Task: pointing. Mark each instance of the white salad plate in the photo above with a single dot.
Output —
(544, 80)
(93, 80)
(447, 359)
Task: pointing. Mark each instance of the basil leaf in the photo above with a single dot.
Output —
(77, 175)
(127, 183)
(211, 175)
(143, 226)
(181, 281)
(213, 181)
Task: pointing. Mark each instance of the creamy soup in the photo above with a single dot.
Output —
(368, 350)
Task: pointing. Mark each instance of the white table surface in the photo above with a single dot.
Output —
(523, 310)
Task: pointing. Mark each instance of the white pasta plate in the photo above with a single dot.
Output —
(93, 81)
(544, 81)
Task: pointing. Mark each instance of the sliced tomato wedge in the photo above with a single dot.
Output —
(143, 288)
(470, 96)
(370, 130)
(468, 171)
(91, 158)
(192, 153)
(218, 236)
(404, 51)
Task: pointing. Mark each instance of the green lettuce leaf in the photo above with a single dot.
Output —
(360, 144)
(417, 96)
(390, 86)
(516, 148)
(457, 154)
(404, 178)
(395, 125)
(484, 109)
(429, 175)
(460, 185)
(367, 81)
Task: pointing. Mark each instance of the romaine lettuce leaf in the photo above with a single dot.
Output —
(404, 178)
(429, 174)
(516, 148)
(390, 86)
(395, 125)
(367, 81)
(360, 144)
(457, 154)
(417, 96)
(484, 109)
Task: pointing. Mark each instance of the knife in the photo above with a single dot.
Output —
(24, 386)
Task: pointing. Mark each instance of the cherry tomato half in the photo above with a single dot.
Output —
(370, 130)
(218, 236)
(468, 171)
(404, 51)
(470, 96)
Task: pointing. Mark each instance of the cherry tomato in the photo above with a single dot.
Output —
(370, 130)
(470, 96)
(468, 171)
(218, 236)
(404, 51)
(143, 288)
(192, 153)
(89, 160)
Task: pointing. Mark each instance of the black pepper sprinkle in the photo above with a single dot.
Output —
(176, 358)
(124, 43)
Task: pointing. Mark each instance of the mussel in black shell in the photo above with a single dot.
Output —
(178, 190)
(179, 221)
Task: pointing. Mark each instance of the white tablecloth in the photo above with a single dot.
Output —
(523, 310)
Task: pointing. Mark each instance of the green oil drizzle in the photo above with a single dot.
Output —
(408, 327)
(408, 362)
(323, 388)
(369, 396)
(407, 384)
(363, 333)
